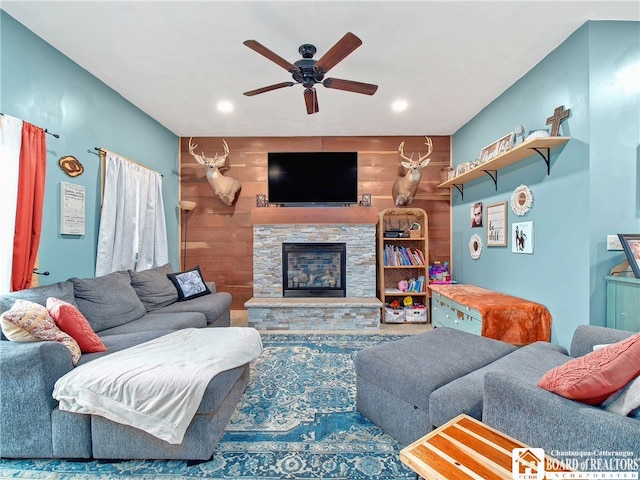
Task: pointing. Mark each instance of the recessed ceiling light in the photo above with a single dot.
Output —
(225, 106)
(399, 105)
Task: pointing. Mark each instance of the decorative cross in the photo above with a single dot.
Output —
(559, 114)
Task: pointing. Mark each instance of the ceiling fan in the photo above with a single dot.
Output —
(309, 72)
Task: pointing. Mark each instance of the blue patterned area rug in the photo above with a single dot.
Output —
(297, 420)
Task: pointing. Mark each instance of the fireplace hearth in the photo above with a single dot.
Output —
(313, 269)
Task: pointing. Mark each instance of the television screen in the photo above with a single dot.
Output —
(313, 178)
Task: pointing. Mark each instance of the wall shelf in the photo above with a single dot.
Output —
(541, 146)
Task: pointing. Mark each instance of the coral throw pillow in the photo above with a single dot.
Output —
(595, 376)
(30, 322)
(71, 321)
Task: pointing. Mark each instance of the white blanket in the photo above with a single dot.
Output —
(158, 385)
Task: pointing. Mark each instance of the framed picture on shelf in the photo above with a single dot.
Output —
(497, 225)
(631, 245)
(500, 146)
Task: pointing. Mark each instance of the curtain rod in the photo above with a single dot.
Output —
(104, 150)
(45, 130)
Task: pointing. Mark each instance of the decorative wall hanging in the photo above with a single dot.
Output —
(522, 237)
(404, 188)
(497, 225)
(475, 246)
(521, 200)
(559, 114)
(71, 166)
(500, 146)
(226, 188)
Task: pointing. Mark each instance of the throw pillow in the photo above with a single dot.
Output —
(595, 376)
(189, 284)
(71, 321)
(624, 401)
(153, 287)
(107, 301)
(26, 321)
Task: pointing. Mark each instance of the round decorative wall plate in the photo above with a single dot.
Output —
(475, 246)
(521, 200)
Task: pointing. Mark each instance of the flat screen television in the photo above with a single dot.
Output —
(313, 178)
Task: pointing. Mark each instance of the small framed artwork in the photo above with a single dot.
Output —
(500, 146)
(476, 214)
(497, 225)
(522, 237)
(631, 245)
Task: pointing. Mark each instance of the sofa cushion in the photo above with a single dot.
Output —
(153, 287)
(107, 301)
(117, 342)
(160, 321)
(61, 290)
(189, 284)
(595, 376)
(465, 394)
(212, 306)
(71, 321)
(27, 321)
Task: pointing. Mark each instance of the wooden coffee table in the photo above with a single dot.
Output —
(463, 448)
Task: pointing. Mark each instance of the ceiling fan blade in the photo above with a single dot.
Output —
(265, 52)
(269, 88)
(337, 53)
(350, 86)
(311, 100)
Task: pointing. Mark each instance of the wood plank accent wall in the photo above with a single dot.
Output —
(220, 237)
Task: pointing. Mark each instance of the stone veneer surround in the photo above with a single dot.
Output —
(360, 242)
(270, 310)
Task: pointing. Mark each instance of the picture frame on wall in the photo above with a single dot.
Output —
(522, 237)
(476, 214)
(497, 225)
(631, 246)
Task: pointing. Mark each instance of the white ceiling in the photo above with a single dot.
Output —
(176, 60)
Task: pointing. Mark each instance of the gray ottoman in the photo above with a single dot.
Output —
(394, 380)
(465, 394)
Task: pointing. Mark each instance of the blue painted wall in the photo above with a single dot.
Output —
(40, 85)
(593, 189)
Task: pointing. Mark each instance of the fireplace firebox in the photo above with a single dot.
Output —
(313, 269)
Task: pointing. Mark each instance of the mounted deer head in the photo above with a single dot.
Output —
(226, 188)
(404, 189)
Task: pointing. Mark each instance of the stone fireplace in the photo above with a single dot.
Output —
(354, 229)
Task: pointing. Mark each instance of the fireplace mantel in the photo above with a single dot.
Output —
(314, 215)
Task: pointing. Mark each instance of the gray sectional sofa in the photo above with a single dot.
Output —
(124, 309)
(412, 385)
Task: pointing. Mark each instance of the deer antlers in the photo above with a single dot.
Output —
(216, 161)
(429, 145)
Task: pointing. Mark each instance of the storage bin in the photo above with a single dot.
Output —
(393, 315)
(415, 315)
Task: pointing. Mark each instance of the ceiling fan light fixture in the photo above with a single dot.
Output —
(399, 105)
(225, 106)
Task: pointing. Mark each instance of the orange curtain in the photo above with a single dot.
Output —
(33, 156)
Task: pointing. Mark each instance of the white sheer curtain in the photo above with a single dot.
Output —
(10, 142)
(133, 233)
